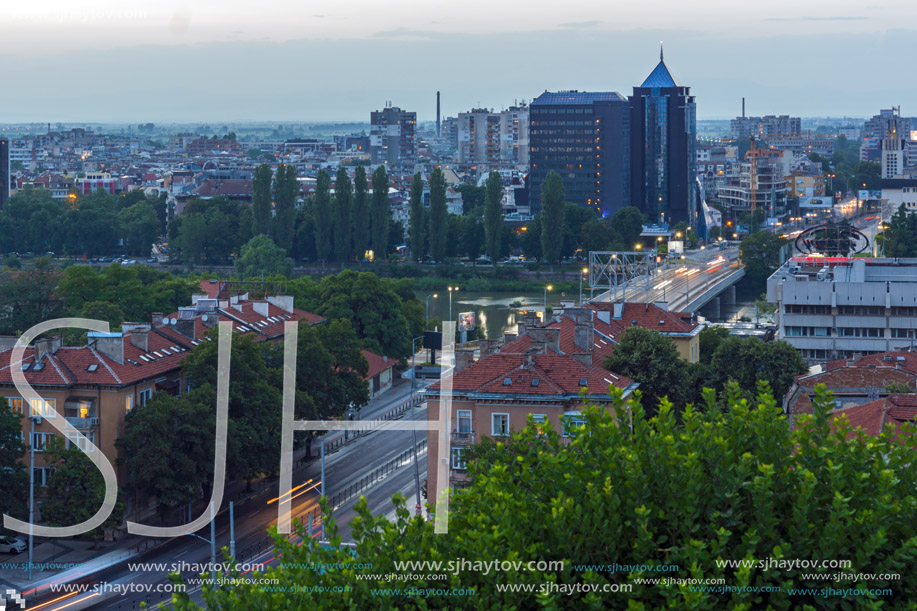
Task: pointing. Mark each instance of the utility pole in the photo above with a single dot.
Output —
(32, 418)
(232, 532)
(414, 431)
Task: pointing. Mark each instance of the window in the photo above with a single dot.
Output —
(464, 424)
(44, 407)
(41, 440)
(539, 420)
(499, 425)
(903, 333)
(15, 404)
(42, 474)
(128, 403)
(571, 424)
(861, 310)
(144, 396)
(860, 332)
(458, 461)
(84, 443)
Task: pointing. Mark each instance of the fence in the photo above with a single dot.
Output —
(333, 445)
(382, 472)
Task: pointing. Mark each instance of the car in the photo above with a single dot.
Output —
(151, 260)
(9, 545)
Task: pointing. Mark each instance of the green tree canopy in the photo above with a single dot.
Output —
(343, 202)
(749, 360)
(261, 255)
(730, 481)
(439, 215)
(552, 216)
(651, 359)
(14, 485)
(261, 199)
(760, 254)
(381, 214)
(361, 213)
(286, 193)
(324, 219)
(899, 238)
(493, 216)
(418, 225)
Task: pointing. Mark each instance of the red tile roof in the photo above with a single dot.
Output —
(245, 319)
(377, 363)
(900, 359)
(872, 417)
(226, 188)
(70, 365)
(557, 374)
(647, 316)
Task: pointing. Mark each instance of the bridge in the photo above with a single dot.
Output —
(701, 280)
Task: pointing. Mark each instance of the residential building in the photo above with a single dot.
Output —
(489, 139)
(802, 185)
(392, 140)
(803, 144)
(379, 377)
(832, 308)
(583, 136)
(663, 133)
(5, 175)
(877, 127)
(95, 181)
(893, 146)
(769, 126)
(853, 381)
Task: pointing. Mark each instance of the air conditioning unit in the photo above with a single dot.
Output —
(37, 419)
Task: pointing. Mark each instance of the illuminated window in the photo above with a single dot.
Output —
(16, 404)
(44, 407)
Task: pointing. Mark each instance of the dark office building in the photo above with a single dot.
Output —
(583, 137)
(4, 171)
(662, 139)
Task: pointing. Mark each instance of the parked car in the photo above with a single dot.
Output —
(9, 545)
(151, 260)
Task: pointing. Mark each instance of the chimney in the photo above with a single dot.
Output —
(520, 329)
(140, 337)
(604, 316)
(584, 331)
(157, 320)
(437, 115)
(507, 338)
(210, 320)
(584, 357)
(619, 311)
(487, 346)
(284, 302)
(109, 344)
(527, 359)
(463, 359)
(743, 108)
(261, 307)
(46, 345)
(185, 326)
(539, 347)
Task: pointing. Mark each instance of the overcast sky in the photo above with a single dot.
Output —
(300, 60)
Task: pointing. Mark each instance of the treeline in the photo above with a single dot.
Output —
(96, 224)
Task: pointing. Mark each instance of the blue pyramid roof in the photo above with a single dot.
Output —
(661, 77)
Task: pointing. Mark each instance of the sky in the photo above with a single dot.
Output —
(286, 60)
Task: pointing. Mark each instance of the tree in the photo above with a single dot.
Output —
(531, 239)
(361, 213)
(763, 307)
(898, 388)
(651, 359)
(730, 481)
(323, 216)
(167, 450)
(253, 444)
(139, 228)
(899, 238)
(27, 297)
(628, 221)
(595, 235)
(286, 191)
(473, 197)
(381, 214)
(709, 339)
(418, 226)
(439, 215)
(493, 216)
(575, 218)
(261, 199)
(760, 253)
(75, 489)
(552, 216)
(262, 256)
(14, 485)
(748, 360)
(343, 199)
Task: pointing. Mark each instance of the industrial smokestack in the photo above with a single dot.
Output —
(437, 114)
(743, 108)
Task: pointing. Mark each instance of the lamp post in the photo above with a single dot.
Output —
(32, 419)
(585, 271)
(546, 289)
(414, 431)
(426, 309)
(451, 289)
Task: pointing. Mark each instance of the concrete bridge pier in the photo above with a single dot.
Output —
(714, 308)
(729, 295)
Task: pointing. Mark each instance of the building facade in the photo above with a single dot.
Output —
(843, 307)
(392, 140)
(489, 139)
(769, 126)
(583, 136)
(663, 134)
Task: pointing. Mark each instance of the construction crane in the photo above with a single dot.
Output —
(753, 182)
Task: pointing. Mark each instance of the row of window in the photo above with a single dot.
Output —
(560, 111)
(849, 310)
(896, 333)
(47, 408)
(40, 441)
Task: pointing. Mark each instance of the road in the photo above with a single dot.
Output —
(679, 284)
(343, 470)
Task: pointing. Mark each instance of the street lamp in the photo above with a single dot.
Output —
(451, 289)
(638, 246)
(546, 289)
(585, 271)
(32, 418)
(426, 310)
(414, 431)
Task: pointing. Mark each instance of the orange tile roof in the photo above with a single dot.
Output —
(557, 374)
(872, 417)
(377, 363)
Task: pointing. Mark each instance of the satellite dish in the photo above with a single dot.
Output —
(173, 322)
(204, 318)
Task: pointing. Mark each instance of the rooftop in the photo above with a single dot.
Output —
(555, 98)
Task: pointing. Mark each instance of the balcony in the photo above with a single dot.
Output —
(462, 438)
(83, 423)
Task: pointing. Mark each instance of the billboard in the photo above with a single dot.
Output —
(867, 195)
(433, 340)
(466, 321)
(816, 202)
